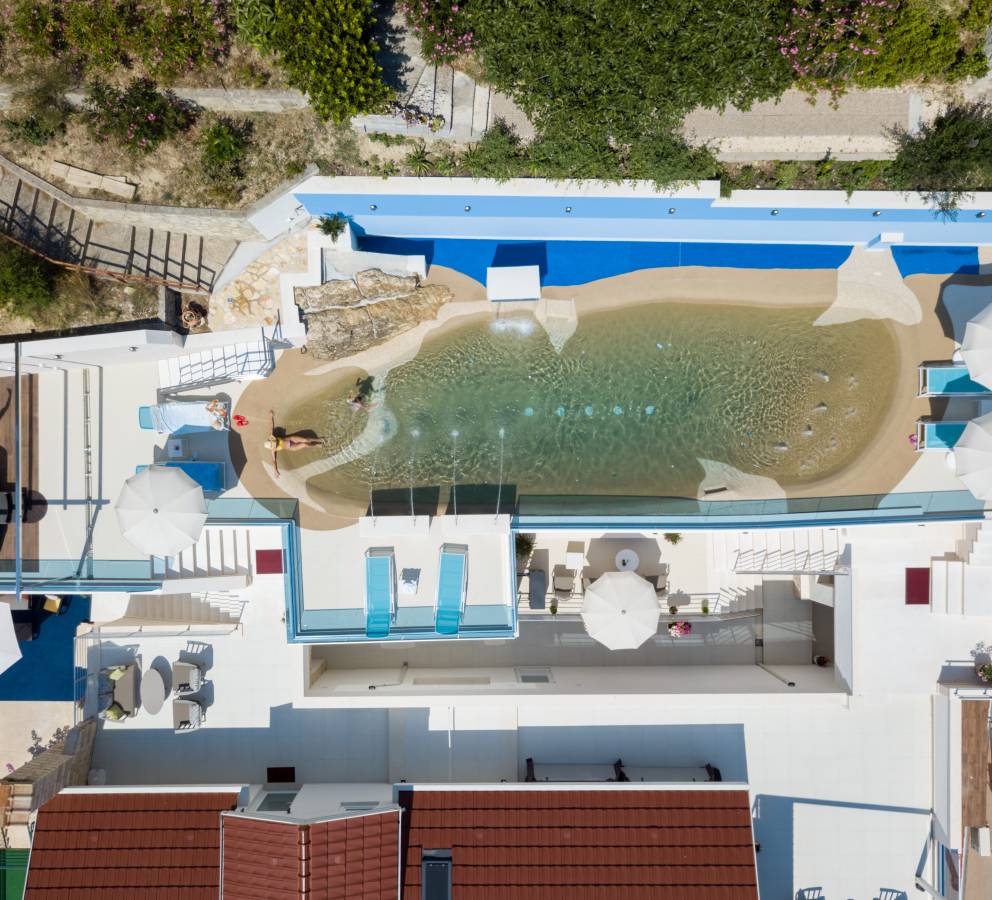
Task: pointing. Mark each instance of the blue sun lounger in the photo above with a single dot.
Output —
(452, 586)
(949, 380)
(938, 435)
(207, 474)
(380, 591)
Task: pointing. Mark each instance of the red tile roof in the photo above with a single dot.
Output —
(535, 844)
(343, 859)
(118, 846)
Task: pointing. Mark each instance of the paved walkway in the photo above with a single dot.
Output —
(794, 127)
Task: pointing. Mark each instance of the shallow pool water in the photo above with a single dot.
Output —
(633, 403)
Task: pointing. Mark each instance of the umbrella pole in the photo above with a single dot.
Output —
(17, 472)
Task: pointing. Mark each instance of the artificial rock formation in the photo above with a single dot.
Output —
(346, 316)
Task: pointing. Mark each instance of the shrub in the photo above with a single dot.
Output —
(829, 43)
(673, 537)
(333, 226)
(43, 110)
(615, 69)
(946, 158)
(167, 37)
(225, 145)
(326, 50)
(442, 26)
(137, 117)
(419, 161)
(833, 44)
(27, 282)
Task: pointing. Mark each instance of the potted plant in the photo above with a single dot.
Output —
(679, 629)
(984, 672)
(673, 537)
(553, 609)
(524, 547)
(706, 608)
(673, 610)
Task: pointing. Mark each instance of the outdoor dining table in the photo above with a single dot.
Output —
(152, 690)
(627, 560)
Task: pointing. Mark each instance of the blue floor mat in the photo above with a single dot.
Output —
(45, 670)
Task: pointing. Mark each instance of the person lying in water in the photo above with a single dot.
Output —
(361, 396)
(275, 443)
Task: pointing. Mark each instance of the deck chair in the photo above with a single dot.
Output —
(380, 591)
(938, 435)
(949, 380)
(185, 417)
(187, 677)
(452, 586)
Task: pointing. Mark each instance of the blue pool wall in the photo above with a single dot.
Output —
(501, 215)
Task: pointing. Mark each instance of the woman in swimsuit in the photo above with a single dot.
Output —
(275, 443)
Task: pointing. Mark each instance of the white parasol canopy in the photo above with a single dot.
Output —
(976, 348)
(620, 610)
(973, 457)
(161, 511)
(10, 652)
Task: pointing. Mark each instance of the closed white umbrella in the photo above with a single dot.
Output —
(161, 511)
(973, 457)
(976, 348)
(620, 610)
(10, 652)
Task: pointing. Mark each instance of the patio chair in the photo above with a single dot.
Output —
(941, 435)
(187, 677)
(563, 580)
(949, 380)
(452, 586)
(184, 417)
(187, 715)
(380, 591)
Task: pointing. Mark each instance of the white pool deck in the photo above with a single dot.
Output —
(842, 785)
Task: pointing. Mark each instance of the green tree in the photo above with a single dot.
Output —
(27, 282)
(325, 48)
(582, 67)
(947, 158)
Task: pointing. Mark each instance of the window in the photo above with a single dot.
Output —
(539, 675)
(277, 801)
(358, 805)
(435, 875)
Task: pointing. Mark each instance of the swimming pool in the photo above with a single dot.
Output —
(639, 400)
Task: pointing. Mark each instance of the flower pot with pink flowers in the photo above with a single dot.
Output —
(679, 629)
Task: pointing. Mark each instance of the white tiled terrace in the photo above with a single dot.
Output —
(334, 564)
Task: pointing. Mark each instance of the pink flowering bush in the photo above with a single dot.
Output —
(165, 38)
(831, 43)
(139, 118)
(680, 629)
(442, 26)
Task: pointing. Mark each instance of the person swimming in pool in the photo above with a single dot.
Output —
(291, 442)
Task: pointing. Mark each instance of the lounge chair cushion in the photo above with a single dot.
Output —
(115, 712)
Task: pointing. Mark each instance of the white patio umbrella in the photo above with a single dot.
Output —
(10, 652)
(976, 348)
(973, 457)
(620, 610)
(161, 511)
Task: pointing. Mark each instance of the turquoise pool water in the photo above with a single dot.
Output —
(636, 402)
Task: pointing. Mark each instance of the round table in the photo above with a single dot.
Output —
(627, 560)
(152, 690)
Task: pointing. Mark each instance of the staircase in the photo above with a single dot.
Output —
(220, 560)
(51, 227)
(244, 361)
(947, 586)
(976, 596)
(788, 551)
(210, 608)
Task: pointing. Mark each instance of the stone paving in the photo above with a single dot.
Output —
(253, 298)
